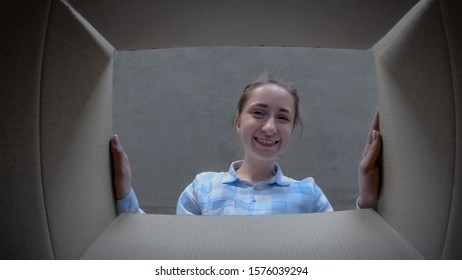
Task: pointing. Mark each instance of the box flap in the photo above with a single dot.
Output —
(145, 24)
(354, 234)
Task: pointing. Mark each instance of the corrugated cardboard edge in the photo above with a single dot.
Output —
(354, 234)
(453, 25)
(24, 232)
(417, 122)
(75, 126)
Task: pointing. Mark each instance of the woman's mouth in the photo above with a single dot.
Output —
(265, 142)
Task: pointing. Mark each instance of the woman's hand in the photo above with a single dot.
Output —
(368, 171)
(121, 168)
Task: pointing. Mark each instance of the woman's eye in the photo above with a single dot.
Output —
(284, 118)
(258, 113)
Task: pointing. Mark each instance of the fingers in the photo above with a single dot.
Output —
(115, 144)
(375, 147)
(372, 151)
(375, 139)
(369, 171)
(368, 143)
(370, 135)
(375, 126)
(375, 122)
(115, 140)
(117, 150)
(121, 168)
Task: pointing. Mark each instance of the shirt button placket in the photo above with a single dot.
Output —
(252, 200)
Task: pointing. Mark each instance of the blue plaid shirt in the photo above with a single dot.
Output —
(224, 193)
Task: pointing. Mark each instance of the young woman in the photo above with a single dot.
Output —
(267, 115)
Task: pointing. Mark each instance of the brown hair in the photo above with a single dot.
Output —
(265, 79)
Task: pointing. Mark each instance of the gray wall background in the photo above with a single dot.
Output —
(173, 110)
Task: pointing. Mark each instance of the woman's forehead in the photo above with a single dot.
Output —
(272, 96)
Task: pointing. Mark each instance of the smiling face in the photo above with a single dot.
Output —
(266, 122)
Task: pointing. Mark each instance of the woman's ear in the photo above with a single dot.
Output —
(238, 125)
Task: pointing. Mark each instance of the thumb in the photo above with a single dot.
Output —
(115, 140)
(116, 148)
(375, 147)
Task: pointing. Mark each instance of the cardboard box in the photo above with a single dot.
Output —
(56, 121)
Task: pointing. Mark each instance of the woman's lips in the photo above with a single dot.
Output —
(265, 142)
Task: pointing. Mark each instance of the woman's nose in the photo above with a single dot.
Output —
(269, 127)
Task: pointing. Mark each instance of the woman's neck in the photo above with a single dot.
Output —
(255, 171)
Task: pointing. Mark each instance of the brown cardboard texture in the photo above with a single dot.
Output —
(56, 121)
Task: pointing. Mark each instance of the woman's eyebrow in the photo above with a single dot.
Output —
(284, 110)
(259, 105)
(263, 105)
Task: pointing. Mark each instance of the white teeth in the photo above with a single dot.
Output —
(266, 142)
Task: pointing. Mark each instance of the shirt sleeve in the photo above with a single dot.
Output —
(187, 202)
(128, 204)
(322, 204)
(357, 204)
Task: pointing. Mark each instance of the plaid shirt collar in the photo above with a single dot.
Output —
(278, 179)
